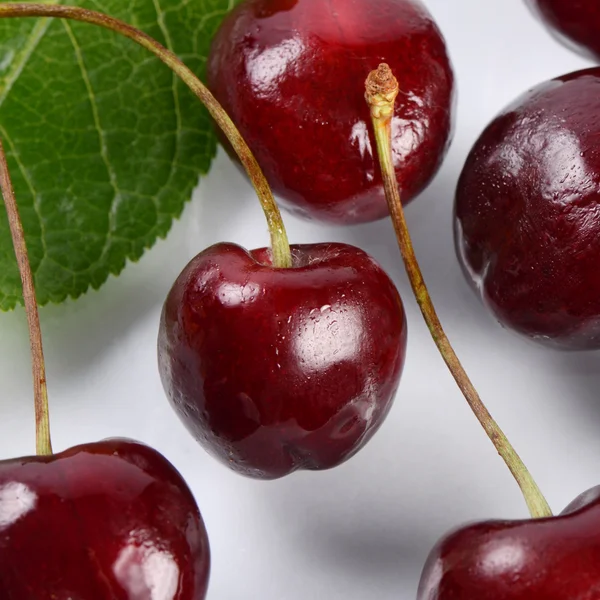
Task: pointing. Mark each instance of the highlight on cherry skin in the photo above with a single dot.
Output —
(278, 369)
(576, 23)
(555, 558)
(526, 213)
(291, 76)
(100, 521)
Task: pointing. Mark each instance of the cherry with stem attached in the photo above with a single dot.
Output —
(279, 369)
(555, 558)
(100, 520)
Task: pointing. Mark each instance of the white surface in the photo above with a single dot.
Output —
(361, 531)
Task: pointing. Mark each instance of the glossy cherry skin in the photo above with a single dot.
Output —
(527, 213)
(274, 370)
(575, 22)
(556, 558)
(291, 74)
(111, 520)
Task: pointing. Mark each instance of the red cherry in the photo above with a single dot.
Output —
(575, 22)
(101, 521)
(556, 558)
(274, 370)
(291, 76)
(527, 226)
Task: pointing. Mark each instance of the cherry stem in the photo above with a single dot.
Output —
(40, 391)
(279, 241)
(381, 91)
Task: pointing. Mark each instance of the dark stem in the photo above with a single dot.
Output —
(40, 392)
(279, 241)
(381, 91)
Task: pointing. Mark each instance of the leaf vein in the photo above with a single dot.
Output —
(101, 139)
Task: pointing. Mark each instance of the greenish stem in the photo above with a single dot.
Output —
(279, 240)
(40, 391)
(381, 91)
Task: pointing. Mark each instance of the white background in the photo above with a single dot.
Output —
(363, 530)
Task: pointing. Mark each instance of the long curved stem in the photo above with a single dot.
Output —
(381, 91)
(40, 391)
(279, 241)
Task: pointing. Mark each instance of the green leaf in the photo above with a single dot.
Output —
(104, 143)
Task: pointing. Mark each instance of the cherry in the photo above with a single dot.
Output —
(526, 213)
(290, 75)
(108, 520)
(575, 22)
(274, 370)
(555, 558)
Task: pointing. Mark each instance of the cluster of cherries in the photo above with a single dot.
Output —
(287, 360)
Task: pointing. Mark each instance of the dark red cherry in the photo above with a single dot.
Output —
(555, 558)
(527, 213)
(574, 22)
(291, 75)
(274, 370)
(112, 520)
